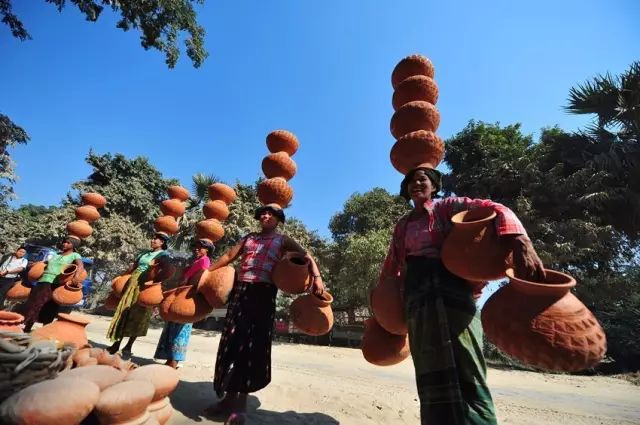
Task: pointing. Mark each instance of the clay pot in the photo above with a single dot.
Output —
(81, 354)
(18, 292)
(388, 306)
(221, 192)
(36, 271)
(291, 274)
(544, 324)
(104, 358)
(159, 271)
(413, 116)
(420, 147)
(216, 286)
(417, 87)
(94, 199)
(312, 314)
(209, 229)
(166, 224)
(79, 228)
(275, 191)
(279, 164)
(111, 302)
(45, 403)
(184, 306)
(90, 361)
(161, 410)
(178, 192)
(124, 401)
(410, 66)
(87, 213)
(472, 249)
(102, 375)
(67, 295)
(118, 284)
(150, 295)
(10, 321)
(382, 348)
(172, 207)
(282, 141)
(67, 274)
(164, 379)
(79, 277)
(68, 328)
(216, 209)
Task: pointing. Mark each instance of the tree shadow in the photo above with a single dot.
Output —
(192, 398)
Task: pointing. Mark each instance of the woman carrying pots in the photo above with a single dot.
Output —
(243, 363)
(130, 319)
(40, 305)
(174, 339)
(445, 332)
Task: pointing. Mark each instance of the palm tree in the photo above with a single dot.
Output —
(193, 214)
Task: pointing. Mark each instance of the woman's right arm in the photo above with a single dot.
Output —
(391, 265)
(228, 257)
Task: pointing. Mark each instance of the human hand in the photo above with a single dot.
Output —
(526, 263)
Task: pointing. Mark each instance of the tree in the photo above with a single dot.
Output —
(10, 136)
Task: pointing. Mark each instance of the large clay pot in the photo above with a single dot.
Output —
(216, 286)
(221, 192)
(282, 141)
(79, 277)
(79, 228)
(472, 249)
(10, 321)
(417, 87)
(161, 410)
(173, 207)
(169, 298)
(178, 192)
(67, 274)
(216, 209)
(312, 314)
(279, 164)
(388, 306)
(119, 283)
(291, 274)
(18, 292)
(185, 306)
(159, 271)
(544, 324)
(166, 224)
(418, 148)
(209, 229)
(410, 66)
(103, 376)
(67, 294)
(124, 401)
(164, 379)
(150, 295)
(68, 328)
(382, 348)
(55, 401)
(94, 199)
(275, 191)
(36, 271)
(414, 116)
(111, 302)
(87, 213)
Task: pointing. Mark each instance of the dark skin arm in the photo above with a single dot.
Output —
(526, 262)
(290, 245)
(228, 257)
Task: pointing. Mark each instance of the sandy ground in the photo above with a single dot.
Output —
(328, 385)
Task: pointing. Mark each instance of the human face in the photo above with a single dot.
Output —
(67, 245)
(156, 243)
(268, 221)
(420, 187)
(21, 252)
(200, 251)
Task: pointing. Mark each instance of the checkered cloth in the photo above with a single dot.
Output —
(259, 254)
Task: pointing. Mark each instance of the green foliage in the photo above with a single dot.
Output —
(10, 135)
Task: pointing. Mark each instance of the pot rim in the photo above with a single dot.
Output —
(458, 219)
(75, 318)
(10, 317)
(557, 283)
(325, 298)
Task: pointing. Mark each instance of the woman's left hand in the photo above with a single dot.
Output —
(526, 263)
(317, 286)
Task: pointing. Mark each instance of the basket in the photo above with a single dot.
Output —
(25, 361)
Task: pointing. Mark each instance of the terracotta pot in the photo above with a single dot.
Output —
(544, 324)
(164, 379)
(45, 403)
(414, 116)
(291, 274)
(312, 314)
(67, 274)
(173, 207)
(159, 271)
(382, 348)
(169, 298)
(80, 276)
(216, 209)
(94, 199)
(417, 148)
(79, 228)
(209, 229)
(187, 307)
(87, 213)
(68, 328)
(221, 192)
(104, 358)
(410, 66)
(279, 164)
(111, 302)
(216, 286)
(10, 321)
(417, 87)
(472, 249)
(161, 410)
(282, 141)
(119, 284)
(84, 362)
(178, 192)
(275, 191)
(36, 271)
(166, 224)
(18, 292)
(388, 306)
(124, 401)
(81, 354)
(150, 295)
(103, 376)
(67, 294)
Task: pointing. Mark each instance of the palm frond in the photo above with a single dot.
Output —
(200, 183)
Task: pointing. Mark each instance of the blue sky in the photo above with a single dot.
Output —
(319, 69)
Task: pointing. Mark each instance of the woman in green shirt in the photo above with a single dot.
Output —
(130, 319)
(40, 305)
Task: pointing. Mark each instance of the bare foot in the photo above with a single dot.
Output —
(222, 407)
(236, 419)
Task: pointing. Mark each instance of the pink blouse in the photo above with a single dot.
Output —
(259, 254)
(201, 263)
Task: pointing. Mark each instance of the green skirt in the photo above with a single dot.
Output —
(445, 338)
(130, 319)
